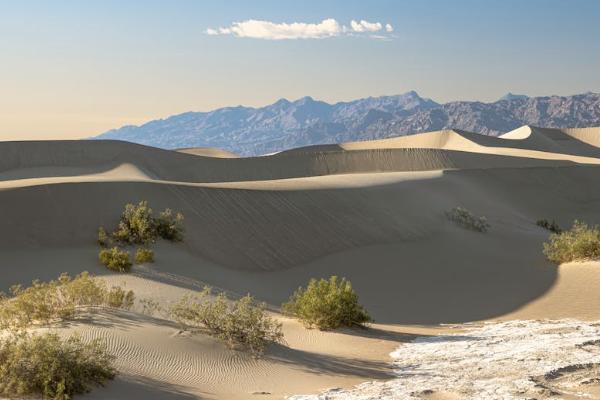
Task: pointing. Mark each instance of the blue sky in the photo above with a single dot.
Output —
(77, 68)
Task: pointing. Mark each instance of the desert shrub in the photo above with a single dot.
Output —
(117, 297)
(103, 238)
(327, 304)
(115, 259)
(150, 307)
(466, 219)
(137, 226)
(169, 225)
(58, 300)
(581, 242)
(47, 366)
(144, 255)
(550, 226)
(241, 324)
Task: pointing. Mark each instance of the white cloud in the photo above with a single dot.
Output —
(365, 26)
(268, 30)
(273, 31)
(389, 28)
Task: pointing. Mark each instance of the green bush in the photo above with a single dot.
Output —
(550, 226)
(581, 242)
(103, 239)
(137, 226)
(327, 304)
(241, 324)
(115, 259)
(466, 219)
(117, 297)
(143, 255)
(169, 226)
(58, 300)
(50, 367)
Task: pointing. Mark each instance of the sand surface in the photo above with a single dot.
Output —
(370, 211)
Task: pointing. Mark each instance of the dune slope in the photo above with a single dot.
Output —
(373, 212)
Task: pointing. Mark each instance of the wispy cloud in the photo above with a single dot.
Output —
(257, 29)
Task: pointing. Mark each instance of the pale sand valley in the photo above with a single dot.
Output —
(459, 314)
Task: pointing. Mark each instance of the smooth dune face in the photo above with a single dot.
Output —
(369, 211)
(208, 152)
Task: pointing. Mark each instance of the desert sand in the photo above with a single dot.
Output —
(372, 212)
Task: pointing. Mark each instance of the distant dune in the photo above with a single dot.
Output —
(371, 211)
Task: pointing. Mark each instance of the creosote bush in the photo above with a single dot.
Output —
(139, 226)
(58, 300)
(50, 367)
(115, 259)
(103, 238)
(327, 304)
(169, 225)
(241, 323)
(144, 255)
(550, 226)
(136, 225)
(581, 242)
(466, 219)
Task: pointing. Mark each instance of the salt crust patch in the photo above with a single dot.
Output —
(500, 360)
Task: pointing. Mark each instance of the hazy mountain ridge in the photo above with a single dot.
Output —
(285, 124)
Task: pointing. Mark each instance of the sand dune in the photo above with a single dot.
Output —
(208, 152)
(370, 211)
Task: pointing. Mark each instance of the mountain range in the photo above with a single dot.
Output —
(286, 124)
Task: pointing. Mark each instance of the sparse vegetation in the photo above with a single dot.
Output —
(150, 307)
(241, 324)
(58, 300)
(137, 226)
(115, 259)
(46, 365)
(581, 242)
(550, 226)
(103, 239)
(467, 220)
(169, 225)
(327, 304)
(144, 255)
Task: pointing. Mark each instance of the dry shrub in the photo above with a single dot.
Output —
(327, 304)
(59, 300)
(581, 242)
(115, 259)
(144, 255)
(47, 366)
(241, 323)
(464, 218)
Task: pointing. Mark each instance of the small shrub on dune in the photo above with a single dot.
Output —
(467, 220)
(550, 226)
(150, 307)
(47, 366)
(58, 300)
(327, 304)
(103, 238)
(115, 259)
(143, 255)
(241, 324)
(169, 225)
(581, 242)
(137, 226)
(117, 297)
